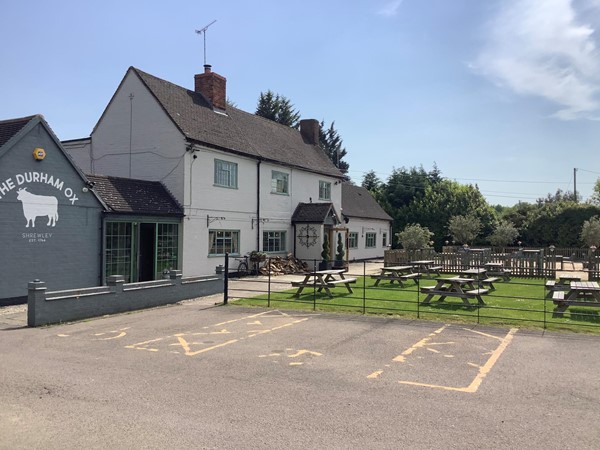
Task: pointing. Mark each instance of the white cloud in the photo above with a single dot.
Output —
(390, 9)
(543, 48)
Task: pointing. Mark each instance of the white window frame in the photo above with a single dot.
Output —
(276, 237)
(226, 174)
(225, 236)
(324, 190)
(370, 236)
(353, 239)
(280, 182)
(384, 239)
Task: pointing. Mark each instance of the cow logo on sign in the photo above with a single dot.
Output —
(38, 206)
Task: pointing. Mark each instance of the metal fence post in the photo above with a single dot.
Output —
(364, 287)
(269, 283)
(226, 280)
(314, 286)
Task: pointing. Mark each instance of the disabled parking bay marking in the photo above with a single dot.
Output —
(230, 332)
(440, 349)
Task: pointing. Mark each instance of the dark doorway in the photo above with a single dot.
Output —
(147, 251)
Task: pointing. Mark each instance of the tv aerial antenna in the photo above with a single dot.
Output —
(203, 32)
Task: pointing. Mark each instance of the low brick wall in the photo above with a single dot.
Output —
(46, 308)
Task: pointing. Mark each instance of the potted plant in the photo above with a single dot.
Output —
(339, 254)
(325, 264)
(257, 256)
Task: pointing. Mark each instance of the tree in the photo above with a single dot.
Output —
(595, 199)
(277, 108)
(371, 181)
(443, 200)
(504, 234)
(414, 237)
(325, 253)
(339, 255)
(464, 229)
(590, 232)
(331, 143)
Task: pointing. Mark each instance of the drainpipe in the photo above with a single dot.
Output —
(258, 205)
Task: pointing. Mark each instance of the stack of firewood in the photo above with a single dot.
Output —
(280, 266)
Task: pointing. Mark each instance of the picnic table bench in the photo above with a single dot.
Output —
(495, 269)
(489, 282)
(396, 273)
(580, 293)
(427, 266)
(462, 288)
(323, 280)
(562, 284)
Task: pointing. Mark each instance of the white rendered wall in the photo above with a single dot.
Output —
(362, 227)
(80, 153)
(221, 208)
(137, 130)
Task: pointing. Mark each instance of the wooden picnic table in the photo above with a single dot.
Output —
(462, 288)
(580, 293)
(396, 273)
(481, 276)
(568, 279)
(562, 284)
(427, 266)
(496, 269)
(323, 280)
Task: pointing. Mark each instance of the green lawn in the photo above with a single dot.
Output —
(519, 302)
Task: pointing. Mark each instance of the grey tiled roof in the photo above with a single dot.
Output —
(128, 196)
(9, 128)
(236, 131)
(358, 202)
(312, 212)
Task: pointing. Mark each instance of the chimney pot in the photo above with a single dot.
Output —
(207, 68)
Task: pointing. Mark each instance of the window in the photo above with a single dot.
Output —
(274, 241)
(370, 240)
(119, 249)
(352, 240)
(279, 182)
(223, 241)
(225, 174)
(167, 247)
(384, 240)
(324, 190)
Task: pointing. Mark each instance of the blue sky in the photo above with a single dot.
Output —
(504, 94)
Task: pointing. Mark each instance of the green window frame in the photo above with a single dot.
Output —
(352, 240)
(118, 254)
(274, 241)
(167, 247)
(324, 190)
(280, 182)
(226, 174)
(223, 241)
(370, 240)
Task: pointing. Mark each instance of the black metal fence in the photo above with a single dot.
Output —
(524, 301)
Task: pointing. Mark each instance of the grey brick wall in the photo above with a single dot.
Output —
(46, 307)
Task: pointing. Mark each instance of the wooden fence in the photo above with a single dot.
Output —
(523, 262)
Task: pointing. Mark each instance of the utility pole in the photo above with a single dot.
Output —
(575, 183)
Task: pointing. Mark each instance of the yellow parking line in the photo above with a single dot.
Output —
(402, 356)
(483, 370)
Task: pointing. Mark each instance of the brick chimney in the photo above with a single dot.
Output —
(309, 129)
(213, 86)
